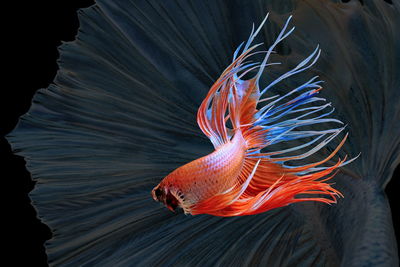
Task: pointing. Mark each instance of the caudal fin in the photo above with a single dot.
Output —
(266, 181)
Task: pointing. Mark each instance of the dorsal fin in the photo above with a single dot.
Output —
(212, 114)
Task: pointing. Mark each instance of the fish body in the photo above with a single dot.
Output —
(204, 177)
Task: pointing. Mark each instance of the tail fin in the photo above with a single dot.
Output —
(266, 182)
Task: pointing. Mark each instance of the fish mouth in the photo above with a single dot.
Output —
(165, 196)
(157, 194)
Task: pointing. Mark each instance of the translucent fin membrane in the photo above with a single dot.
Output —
(266, 182)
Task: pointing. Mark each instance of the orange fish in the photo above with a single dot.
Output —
(238, 178)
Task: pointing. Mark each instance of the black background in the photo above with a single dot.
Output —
(41, 28)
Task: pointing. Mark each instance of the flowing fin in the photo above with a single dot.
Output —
(211, 115)
(265, 181)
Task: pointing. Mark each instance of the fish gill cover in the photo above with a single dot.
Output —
(121, 115)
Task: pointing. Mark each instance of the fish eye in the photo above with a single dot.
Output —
(158, 192)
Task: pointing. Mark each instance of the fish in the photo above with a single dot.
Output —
(121, 115)
(238, 178)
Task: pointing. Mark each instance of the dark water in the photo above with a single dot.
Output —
(43, 53)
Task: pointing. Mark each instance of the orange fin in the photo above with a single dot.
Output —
(265, 185)
(266, 181)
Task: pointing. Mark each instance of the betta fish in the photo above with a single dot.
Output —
(237, 178)
(117, 129)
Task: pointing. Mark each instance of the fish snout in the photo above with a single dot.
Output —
(158, 194)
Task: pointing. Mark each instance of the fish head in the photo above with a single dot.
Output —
(164, 195)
